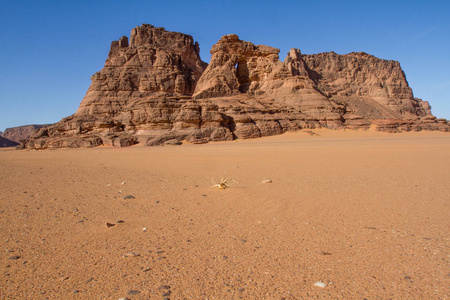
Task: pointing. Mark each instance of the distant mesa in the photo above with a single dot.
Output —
(155, 89)
(12, 136)
(21, 132)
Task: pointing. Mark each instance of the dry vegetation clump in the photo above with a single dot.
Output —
(223, 183)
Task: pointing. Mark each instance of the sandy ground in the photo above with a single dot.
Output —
(365, 213)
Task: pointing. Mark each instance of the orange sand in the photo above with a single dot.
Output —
(366, 213)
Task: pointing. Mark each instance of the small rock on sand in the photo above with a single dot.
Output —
(133, 292)
(64, 278)
(320, 284)
(266, 181)
(128, 197)
(131, 254)
(164, 287)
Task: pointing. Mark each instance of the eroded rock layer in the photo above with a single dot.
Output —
(156, 90)
(20, 133)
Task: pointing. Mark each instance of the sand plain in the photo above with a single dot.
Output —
(365, 213)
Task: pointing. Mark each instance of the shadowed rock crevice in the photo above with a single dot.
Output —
(155, 89)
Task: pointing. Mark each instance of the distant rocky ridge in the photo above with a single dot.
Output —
(154, 89)
(12, 136)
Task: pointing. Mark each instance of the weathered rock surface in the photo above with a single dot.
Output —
(156, 90)
(156, 63)
(19, 133)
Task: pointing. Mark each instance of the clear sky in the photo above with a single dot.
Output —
(50, 49)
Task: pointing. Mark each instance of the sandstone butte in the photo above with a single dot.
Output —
(155, 89)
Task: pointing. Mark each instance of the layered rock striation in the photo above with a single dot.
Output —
(155, 89)
(21, 133)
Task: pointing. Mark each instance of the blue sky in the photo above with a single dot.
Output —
(50, 49)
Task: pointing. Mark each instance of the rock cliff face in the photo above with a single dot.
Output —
(156, 90)
(156, 63)
(20, 133)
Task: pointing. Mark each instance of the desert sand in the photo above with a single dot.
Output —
(348, 215)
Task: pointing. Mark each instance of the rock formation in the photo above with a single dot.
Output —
(4, 142)
(20, 133)
(155, 89)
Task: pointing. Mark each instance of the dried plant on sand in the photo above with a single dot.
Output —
(223, 183)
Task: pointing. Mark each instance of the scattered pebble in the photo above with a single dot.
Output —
(120, 221)
(123, 182)
(204, 195)
(131, 254)
(128, 197)
(164, 287)
(124, 298)
(407, 277)
(110, 225)
(267, 181)
(133, 292)
(76, 292)
(144, 229)
(90, 279)
(15, 257)
(109, 184)
(320, 284)
(167, 294)
(244, 241)
(156, 201)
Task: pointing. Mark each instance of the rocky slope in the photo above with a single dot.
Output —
(4, 142)
(156, 90)
(19, 133)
